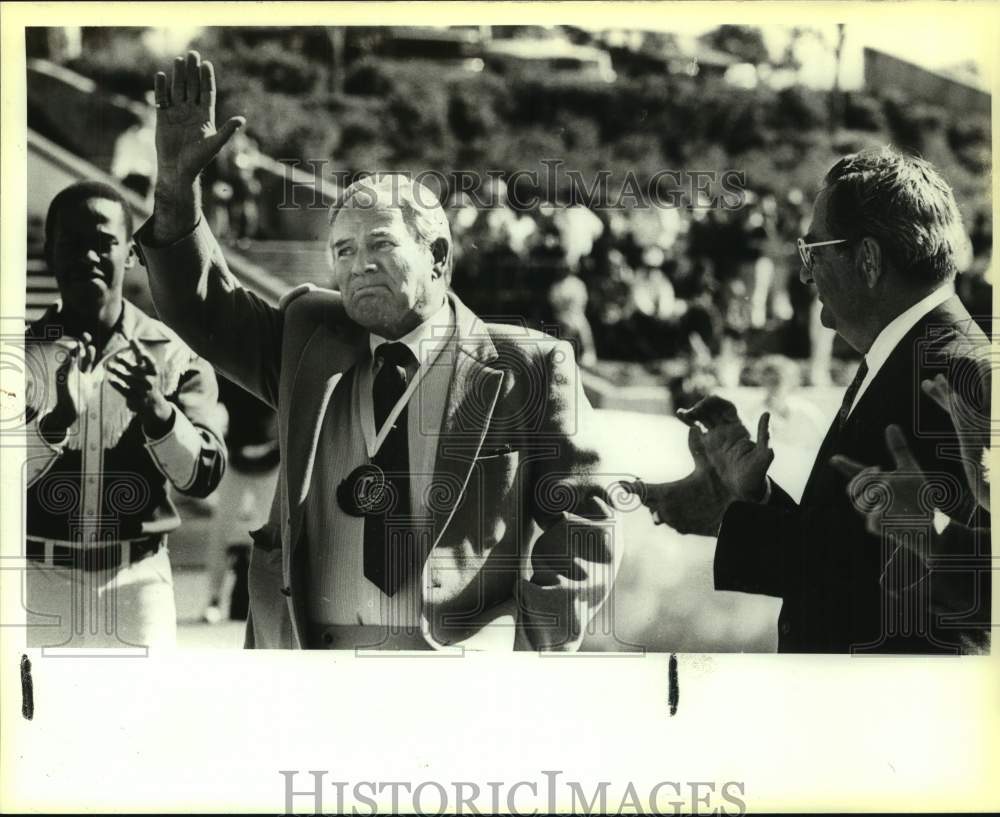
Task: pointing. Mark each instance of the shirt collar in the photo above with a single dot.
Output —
(436, 328)
(132, 322)
(897, 328)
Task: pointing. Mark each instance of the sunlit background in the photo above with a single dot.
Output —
(663, 305)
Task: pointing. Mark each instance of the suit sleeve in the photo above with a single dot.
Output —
(751, 554)
(199, 298)
(779, 547)
(575, 560)
(192, 455)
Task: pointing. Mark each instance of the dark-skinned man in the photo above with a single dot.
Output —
(119, 410)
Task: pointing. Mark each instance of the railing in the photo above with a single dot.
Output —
(62, 165)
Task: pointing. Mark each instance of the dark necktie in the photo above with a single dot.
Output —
(851, 393)
(387, 561)
(832, 439)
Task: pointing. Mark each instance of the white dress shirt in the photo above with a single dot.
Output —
(888, 339)
(884, 344)
(338, 593)
(425, 407)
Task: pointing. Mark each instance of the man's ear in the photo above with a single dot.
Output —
(131, 258)
(441, 250)
(871, 261)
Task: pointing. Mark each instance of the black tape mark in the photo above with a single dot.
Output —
(674, 694)
(27, 689)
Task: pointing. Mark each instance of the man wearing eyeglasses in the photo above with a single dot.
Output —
(884, 246)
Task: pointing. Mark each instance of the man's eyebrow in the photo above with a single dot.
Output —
(378, 232)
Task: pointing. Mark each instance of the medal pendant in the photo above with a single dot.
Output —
(363, 492)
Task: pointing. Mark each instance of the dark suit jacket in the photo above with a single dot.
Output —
(837, 581)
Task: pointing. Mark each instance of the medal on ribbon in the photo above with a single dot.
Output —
(364, 491)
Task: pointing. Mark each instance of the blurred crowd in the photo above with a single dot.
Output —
(713, 287)
(647, 284)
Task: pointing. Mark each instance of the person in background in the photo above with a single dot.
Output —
(568, 301)
(795, 420)
(119, 411)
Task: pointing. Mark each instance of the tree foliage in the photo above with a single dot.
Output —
(746, 43)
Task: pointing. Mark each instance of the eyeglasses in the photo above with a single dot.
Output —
(804, 248)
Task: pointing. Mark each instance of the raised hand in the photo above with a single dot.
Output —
(740, 464)
(186, 137)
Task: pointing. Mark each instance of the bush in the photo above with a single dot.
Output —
(409, 114)
(417, 121)
(279, 69)
(906, 127)
(965, 133)
(799, 109)
(127, 68)
(472, 115)
(863, 112)
(969, 140)
(370, 77)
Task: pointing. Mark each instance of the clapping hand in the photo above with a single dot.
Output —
(877, 493)
(695, 504)
(972, 422)
(740, 463)
(74, 383)
(139, 382)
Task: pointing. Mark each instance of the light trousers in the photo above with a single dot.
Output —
(126, 607)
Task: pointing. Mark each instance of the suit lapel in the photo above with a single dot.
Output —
(472, 398)
(897, 369)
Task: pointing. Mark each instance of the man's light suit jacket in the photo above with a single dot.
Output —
(526, 544)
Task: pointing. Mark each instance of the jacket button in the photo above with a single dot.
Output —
(287, 591)
(785, 628)
(327, 637)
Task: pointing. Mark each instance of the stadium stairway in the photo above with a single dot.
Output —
(50, 169)
(40, 284)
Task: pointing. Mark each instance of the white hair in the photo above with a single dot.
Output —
(421, 210)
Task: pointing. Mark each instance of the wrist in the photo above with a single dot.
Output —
(176, 207)
(54, 427)
(60, 418)
(158, 420)
(171, 183)
(759, 494)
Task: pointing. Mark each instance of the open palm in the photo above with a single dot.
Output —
(740, 463)
(186, 137)
(694, 504)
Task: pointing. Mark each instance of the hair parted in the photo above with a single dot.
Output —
(901, 201)
(421, 210)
